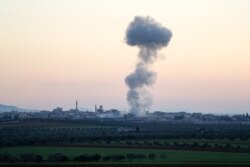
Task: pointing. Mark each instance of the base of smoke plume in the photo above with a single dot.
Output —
(139, 100)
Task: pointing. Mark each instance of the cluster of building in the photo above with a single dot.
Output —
(59, 114)
(99, 112)
(197, 117)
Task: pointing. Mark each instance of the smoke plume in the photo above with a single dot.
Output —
(149, 36)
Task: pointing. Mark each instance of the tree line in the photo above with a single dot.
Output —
(17, 136)
(59, 157)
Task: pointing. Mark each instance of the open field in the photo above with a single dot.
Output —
(180, 144)
(176, 157)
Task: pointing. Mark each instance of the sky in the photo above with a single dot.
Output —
(53, 52)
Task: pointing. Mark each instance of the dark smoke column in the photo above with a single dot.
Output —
(149, 36)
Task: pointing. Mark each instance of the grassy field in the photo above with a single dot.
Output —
(178, 157)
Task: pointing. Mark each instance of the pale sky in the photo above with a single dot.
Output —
(55, 52)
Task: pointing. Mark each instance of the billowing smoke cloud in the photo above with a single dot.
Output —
(149, 36)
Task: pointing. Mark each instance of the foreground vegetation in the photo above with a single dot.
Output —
(37, 132)
(110, 155)
(107, 141)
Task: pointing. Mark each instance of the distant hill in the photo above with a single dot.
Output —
(8, 108)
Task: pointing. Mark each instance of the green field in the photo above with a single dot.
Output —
(183, 157)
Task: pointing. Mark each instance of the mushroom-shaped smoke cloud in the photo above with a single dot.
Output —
(149, 36)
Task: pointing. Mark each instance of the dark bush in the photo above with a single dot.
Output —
(7, 158)
(57, 157)
(106, 158)
(88, 158)
(163, 157)
(30, 157)
(152, 156)
(96, 157)
(117, 157)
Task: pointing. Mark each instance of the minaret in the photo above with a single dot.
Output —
(76, 105)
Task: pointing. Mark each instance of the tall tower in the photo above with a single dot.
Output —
(76, 105)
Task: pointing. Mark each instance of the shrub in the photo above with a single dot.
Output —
(57, 157)
(152, 156)
(7, 158)
(106, 158)
(30, 157)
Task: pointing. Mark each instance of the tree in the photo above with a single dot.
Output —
(114, 157)
(130, 156)
(156, 143)
(141, 156)
(129, 143)
(152, 156)
(88, 158)
(106, 158)
(30, 157)
(38, 158)
(137, 129)
(7, 158)
(57, 157)
(96, 157)
(166, 143)
(163, 157)
(204, 145)
(81, 158)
